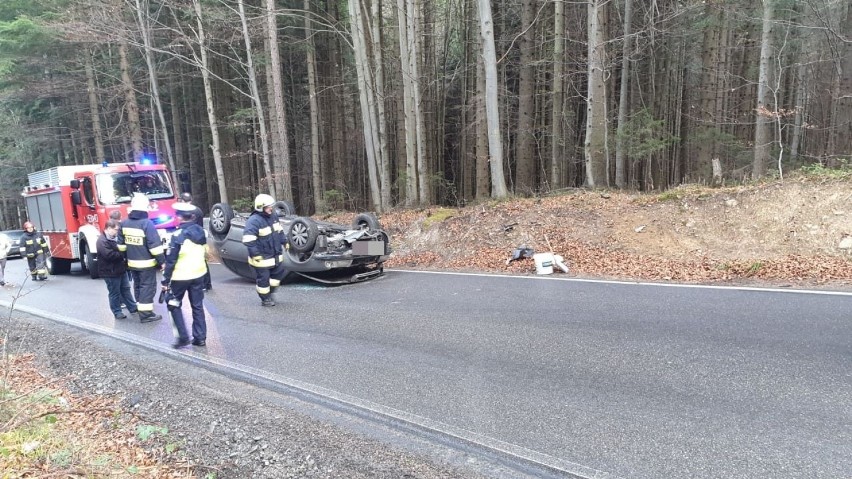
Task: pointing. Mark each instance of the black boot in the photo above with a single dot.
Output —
(148, 316)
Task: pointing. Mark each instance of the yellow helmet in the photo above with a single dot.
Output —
(261, 201)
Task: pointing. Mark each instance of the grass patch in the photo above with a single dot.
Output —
(437, 216)
(819, 171)
(46, 431)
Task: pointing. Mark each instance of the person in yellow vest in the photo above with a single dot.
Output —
(186, 266)
(139, 240)
(33, 246)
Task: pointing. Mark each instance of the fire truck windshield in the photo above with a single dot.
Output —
(117, 188)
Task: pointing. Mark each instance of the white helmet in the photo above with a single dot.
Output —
(261, 201)
(139, 202)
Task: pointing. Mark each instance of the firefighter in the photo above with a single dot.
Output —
(186, 197)
(33, 246)
(264, 238)
(186, 265)
(139, 239)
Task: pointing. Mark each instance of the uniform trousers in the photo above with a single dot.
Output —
(144, 288)
(268, 279)
(195, 289)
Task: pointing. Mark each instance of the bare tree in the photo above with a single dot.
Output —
(130, 104)
(258, 105)
(492, 101)
(525, 144)
(368, 102)
(94, 109)
(316, 165)
(764, 114)
(145, 32)
(595, 145)
(556, 142)
(623, 100)
(201, 60)
(280, 142)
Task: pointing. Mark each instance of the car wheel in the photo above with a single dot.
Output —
(365, 220)
(302, 234)
(285, 208)
(221, 215)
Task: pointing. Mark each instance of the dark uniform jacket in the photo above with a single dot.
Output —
(139, 239)
(111, 261)
(32, 244)
(264, 238)
(187, 254)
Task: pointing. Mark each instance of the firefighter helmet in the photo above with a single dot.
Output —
(139, 203)
(184, 210)
(261, 201)
(28, 225)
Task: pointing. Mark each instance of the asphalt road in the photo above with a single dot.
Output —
(593, 378)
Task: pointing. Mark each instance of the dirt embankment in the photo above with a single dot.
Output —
(795, 231)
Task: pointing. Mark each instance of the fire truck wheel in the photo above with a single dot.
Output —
(58, 265)
(87, 260)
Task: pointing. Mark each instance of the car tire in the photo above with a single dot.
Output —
(367, 220)
(302, 234)
(221, 215)
(285, 208)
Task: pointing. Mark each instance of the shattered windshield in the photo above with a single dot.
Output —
(116, 188)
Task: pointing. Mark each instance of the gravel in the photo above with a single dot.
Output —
(228, 427)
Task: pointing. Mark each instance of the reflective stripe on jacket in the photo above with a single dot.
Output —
(139, 239)
(264, 238)
(187, 258)
(32, 244)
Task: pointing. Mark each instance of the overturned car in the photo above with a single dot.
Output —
(318, 250)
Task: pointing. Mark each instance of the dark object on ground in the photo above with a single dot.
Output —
(522, 251)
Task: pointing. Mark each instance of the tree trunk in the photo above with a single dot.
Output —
(595, 144)
(208, 97)
(492, 101)
(525, 139)
(258, 105)
(177, 125)
(142, 21)
(94, 109)
(316, 171)
(765, 111)
(424, 192)
(134, 129)
(556, 114)
(362, 66)
(280, 142)
(411, 197)
(623, 97)
(841, 129)
(483, 176)
(375, 20)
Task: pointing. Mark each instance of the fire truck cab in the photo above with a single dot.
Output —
(71, 204)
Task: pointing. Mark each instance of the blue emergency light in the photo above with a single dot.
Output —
(146, 160)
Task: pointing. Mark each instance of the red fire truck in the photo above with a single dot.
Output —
(71, 204)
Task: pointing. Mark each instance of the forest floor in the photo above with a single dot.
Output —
(81, 407)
